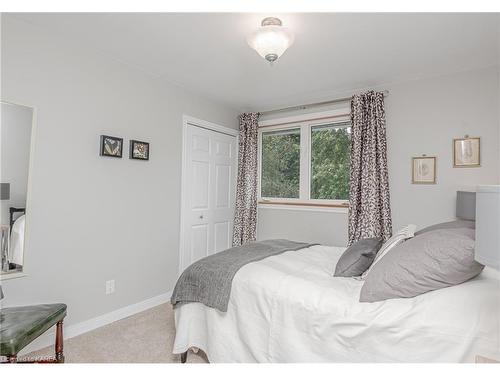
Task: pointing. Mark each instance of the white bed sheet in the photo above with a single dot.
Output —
(289, 308)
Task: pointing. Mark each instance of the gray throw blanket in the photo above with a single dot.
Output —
(209, 280)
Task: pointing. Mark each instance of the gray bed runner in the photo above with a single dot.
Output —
(209, 280)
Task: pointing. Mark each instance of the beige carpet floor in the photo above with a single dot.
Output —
(147, 337)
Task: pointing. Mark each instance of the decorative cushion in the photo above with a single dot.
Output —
(21, 325)
(430, 261)
(401, 236)
(357, 257)
(449, 225)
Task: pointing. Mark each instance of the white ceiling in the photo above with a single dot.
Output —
(333, 53)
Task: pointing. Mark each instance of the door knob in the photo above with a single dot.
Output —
(201, 216)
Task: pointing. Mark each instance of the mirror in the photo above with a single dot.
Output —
(15, 146)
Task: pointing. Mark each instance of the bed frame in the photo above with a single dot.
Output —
(12, 212)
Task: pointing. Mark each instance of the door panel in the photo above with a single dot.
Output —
(199, 244)
(201, 143)
(222, 185)
(209, 196)
(222, 236)
(200, 178)
(223, 148)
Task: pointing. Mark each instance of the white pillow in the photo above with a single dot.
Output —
(400, 236)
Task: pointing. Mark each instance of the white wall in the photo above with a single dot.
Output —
(15, 138)
(423, 116)
(95, 218)
(322, 226)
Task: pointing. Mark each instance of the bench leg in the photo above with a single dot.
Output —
(184, 357)
(59, 358)
(59, 342)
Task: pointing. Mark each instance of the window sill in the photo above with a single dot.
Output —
(304, 206)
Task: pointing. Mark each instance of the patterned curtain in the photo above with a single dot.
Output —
(369, 211)
(245, 218)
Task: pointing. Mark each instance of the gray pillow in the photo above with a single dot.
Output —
(430, 261)
(449, 225)
(358, 257)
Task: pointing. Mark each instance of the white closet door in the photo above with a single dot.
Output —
(209, 195)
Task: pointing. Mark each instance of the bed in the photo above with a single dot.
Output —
(289, 308)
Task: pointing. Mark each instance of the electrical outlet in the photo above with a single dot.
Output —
(110, 286)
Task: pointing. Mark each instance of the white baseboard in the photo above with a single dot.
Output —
(48, 338)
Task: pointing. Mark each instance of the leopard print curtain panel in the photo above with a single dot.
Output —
(369, 211)
(245, 219)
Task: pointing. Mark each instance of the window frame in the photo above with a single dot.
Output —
(305, 124)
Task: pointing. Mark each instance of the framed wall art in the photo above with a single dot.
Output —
(423, 170)
(111, 146)
(467, 152)
(139, 150)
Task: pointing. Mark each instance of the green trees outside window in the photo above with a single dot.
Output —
(281, 164)
(329, 168)
(330, 159)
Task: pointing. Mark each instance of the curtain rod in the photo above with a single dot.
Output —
(310, 105)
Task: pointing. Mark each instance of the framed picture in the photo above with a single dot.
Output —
(111, 146)
(467, 152)
(139, 150)
(423, 170)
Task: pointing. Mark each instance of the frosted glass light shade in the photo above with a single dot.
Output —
(271, 40)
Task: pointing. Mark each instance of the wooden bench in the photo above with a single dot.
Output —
(21, 325)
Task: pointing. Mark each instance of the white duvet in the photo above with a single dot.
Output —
(289, 308)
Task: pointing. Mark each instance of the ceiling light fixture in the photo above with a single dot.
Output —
(271, 40)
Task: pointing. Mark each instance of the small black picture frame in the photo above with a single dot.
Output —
(111, 146)
(139, 150)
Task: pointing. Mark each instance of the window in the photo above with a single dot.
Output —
(305, 163)
(330, 158)
(281, 164)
